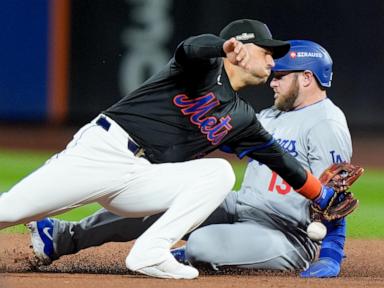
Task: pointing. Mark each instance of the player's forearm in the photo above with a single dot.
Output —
(289, 169)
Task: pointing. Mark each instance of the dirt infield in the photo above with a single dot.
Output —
(104, 267)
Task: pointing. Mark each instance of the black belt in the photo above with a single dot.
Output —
(132, 146)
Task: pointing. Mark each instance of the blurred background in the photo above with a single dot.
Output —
(64, 61)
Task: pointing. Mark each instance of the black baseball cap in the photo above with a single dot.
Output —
(253, 31)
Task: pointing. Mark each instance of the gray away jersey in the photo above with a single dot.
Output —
(317, 136)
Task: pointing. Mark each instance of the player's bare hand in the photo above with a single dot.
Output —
(237, 53)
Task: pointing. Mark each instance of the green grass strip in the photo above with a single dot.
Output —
(366, 222)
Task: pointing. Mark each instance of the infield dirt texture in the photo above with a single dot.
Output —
(104, 266)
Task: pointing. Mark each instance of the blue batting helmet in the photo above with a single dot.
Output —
(307, 55)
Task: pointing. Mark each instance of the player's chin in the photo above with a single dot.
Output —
(264, 79)
(256, 81)
(257, 78)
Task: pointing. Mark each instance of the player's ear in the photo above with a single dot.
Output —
(307, 78)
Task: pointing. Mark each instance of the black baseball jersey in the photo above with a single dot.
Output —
(190, 109)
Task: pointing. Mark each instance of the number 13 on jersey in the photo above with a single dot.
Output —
(279, 185)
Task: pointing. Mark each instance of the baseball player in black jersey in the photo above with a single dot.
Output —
(140, 157)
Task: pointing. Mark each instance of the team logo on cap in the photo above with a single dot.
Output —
(245, 36)
(293, 54)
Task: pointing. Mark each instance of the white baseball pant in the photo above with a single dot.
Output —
(97, 166)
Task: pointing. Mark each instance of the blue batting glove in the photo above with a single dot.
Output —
(325, 196)
(322, 268)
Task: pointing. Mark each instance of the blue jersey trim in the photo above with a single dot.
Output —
(226, 149)
(263, 146)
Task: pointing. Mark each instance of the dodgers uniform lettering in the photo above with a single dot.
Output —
(282, 188)
(336, 158)
(280, 185)
(288, 145)
(277, 183)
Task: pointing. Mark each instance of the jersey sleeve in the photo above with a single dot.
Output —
(328, 142)
(256, 143)
(202, 49)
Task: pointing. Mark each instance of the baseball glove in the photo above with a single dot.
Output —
(340, 177)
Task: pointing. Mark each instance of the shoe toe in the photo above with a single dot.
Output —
(168, 268)
(41, 238)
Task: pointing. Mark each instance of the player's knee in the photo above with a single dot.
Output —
(9, 219)
(10, 216)
(197, 247)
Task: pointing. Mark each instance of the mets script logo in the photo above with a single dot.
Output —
(197, 109)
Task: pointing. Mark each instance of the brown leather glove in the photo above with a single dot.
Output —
(340, 177)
